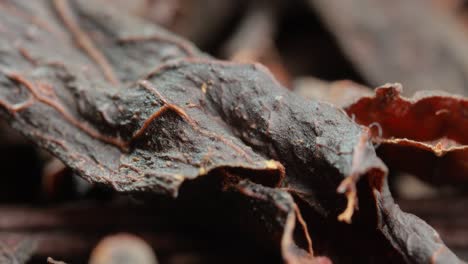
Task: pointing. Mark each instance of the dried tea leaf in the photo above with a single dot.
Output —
(169, 120)
(440, 213)
(425, 135)
(131, 106)
(405, 41)
(401, 237)
(132, 138)
(380, 233)
(272, 213)
(323, 147)
(413, 238)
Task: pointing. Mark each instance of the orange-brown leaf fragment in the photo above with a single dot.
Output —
(425, 135)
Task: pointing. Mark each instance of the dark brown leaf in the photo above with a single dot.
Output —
(413, 238)
(272, 213)
(447, 215)
(128, 105)
(381, 233)
(68, 107)
(168, 121)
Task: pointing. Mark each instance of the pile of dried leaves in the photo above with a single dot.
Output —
(209, 161)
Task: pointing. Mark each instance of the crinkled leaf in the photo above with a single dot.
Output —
(121, 132)
(272, 213)
(389, 115)
(425, 135)
(129, 105)
(413, 238)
